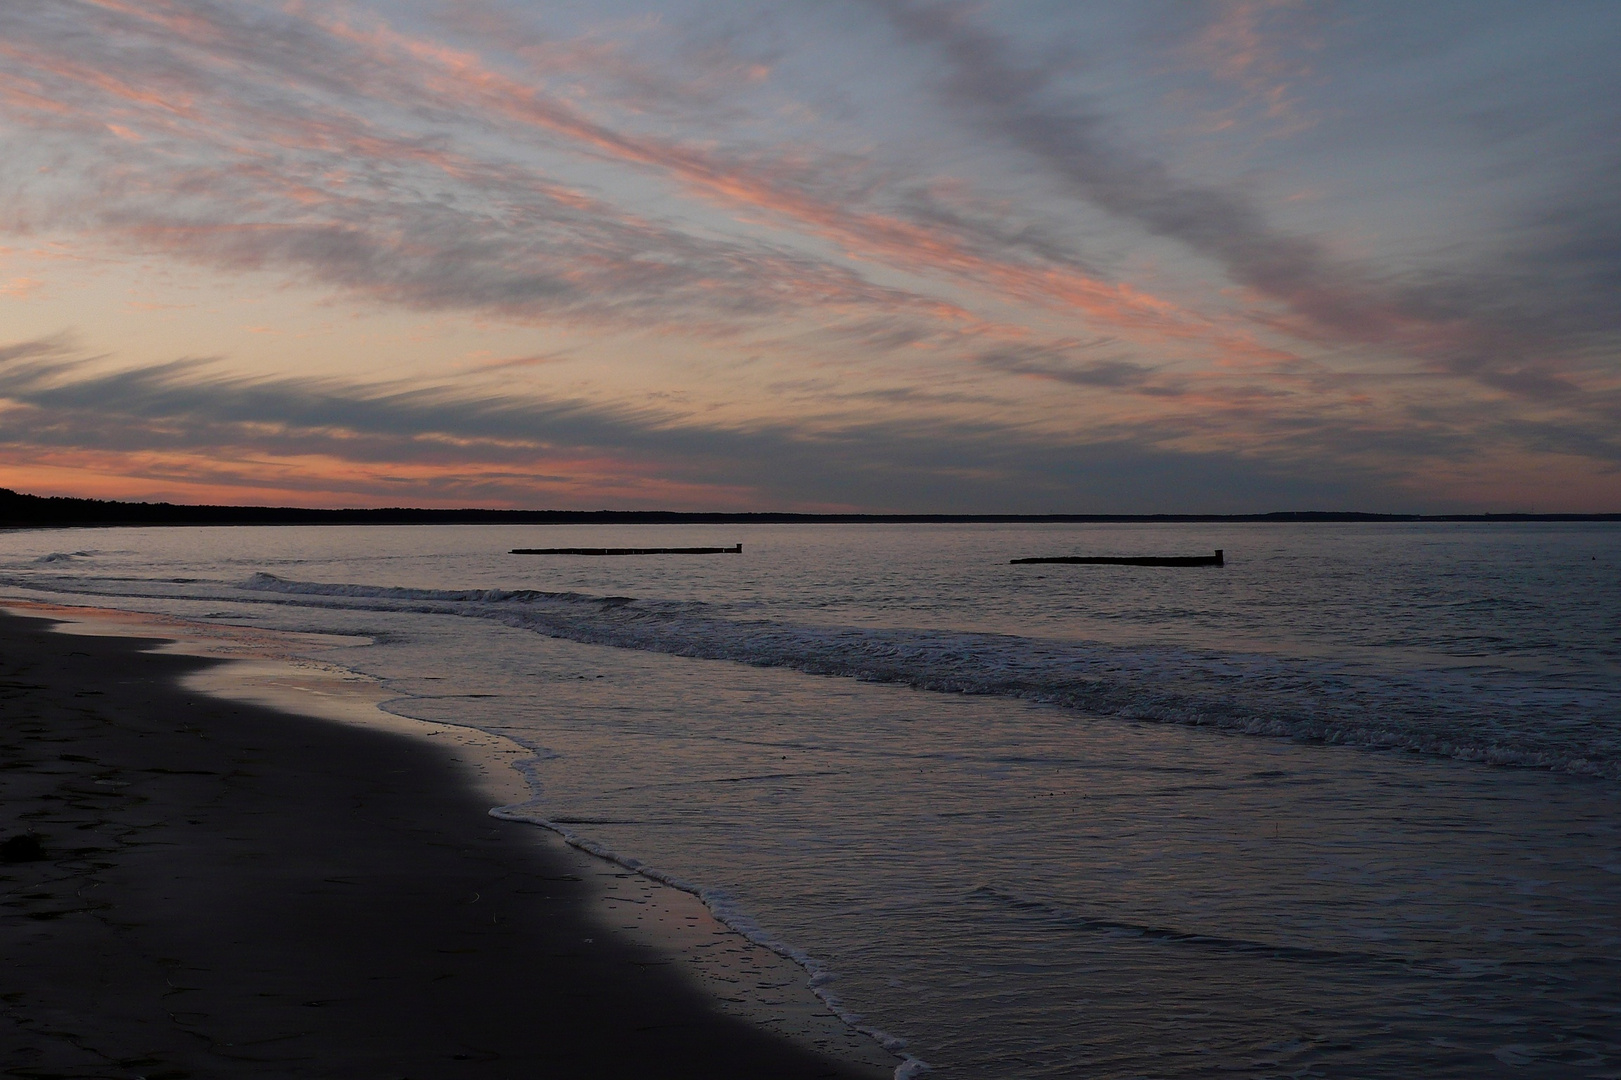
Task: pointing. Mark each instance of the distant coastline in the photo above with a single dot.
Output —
(22, 511)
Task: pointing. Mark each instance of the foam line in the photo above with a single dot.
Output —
(1471, 715)
(1486, 714)
(734, 919)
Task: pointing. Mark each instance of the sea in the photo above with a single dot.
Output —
(1346, 806)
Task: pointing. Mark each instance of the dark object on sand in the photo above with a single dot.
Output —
(23, 848)
(1143, 560)
(736, 549)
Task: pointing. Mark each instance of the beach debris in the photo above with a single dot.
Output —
(24, 847)
(1218, 559)
(735, 549)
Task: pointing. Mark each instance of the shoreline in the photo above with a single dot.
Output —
(228, 889)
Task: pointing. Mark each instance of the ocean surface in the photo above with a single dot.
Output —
(1349, 806)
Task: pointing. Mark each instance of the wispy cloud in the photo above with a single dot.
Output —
(1063, 362)
(266, 161)
(233, 429)
(1258, 46)
(980, 274)
(361, 442)
(1479, 327)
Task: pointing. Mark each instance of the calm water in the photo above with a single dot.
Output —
(1038, 820)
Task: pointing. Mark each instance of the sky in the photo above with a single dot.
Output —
(829, 255)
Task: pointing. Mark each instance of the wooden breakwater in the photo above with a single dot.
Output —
(1217, 559)
(735, 549)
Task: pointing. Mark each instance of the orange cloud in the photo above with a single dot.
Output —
(458, 75)
(20, 288)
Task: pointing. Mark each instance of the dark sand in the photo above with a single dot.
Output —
(232, 891)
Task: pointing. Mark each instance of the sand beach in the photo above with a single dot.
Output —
(219, 889)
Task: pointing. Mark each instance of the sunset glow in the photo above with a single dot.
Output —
(874, 255)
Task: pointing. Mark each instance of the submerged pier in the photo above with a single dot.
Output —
(735, 549)
(1217, 559)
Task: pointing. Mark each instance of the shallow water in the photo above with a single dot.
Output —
(1042, 876)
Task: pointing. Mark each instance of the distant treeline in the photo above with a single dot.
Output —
(32, 511)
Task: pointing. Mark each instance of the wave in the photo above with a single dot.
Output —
(1483, 714)
(63, 557)
(1418, 961)
(1170, 935)
(726, 912)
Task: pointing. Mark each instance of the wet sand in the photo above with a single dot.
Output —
(229, 890)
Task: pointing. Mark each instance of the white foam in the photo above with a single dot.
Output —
(62, 557)
(728, 914)
(1480, 714)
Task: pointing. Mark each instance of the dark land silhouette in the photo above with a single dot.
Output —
(18, 510)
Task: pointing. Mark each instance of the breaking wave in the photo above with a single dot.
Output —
(1481, 713)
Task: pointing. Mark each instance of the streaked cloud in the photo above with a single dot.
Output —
(340, 440)
(1476, 326)
(858, 254)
